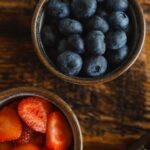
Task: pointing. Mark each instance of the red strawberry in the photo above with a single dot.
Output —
(5, 146)
(58, 134)
(14, 104)
(33, 111)
(10, 125)
(44, 148)
(26, 147)
(38, 139)
(25, 136)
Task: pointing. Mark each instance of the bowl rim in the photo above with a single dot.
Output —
(84, 81)
(10, 95)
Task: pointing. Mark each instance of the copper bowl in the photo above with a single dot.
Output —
(138, 37)
(11, 95)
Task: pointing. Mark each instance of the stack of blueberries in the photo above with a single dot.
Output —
(87, 36)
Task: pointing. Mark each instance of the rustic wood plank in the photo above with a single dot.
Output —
(112, 115)
(17, 5)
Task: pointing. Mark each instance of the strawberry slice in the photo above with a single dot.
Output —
(58, 134)
(26, 147)
(14, 104)
(34, 111)
(5, 146)
(38, 139)
(25, 136)
(44, 148)
(10, 125)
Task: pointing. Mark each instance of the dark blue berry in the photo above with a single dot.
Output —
(129, 30)
(69, 26)
(119, 20)
(57, 9)
(102, 13)
(98, 23)
(62, 46)
(116, 57)
(100, 1)
(69, 63)
(95, 66)
(117, 5)
(84, 8)
(95, 43)
(116, 39)
(49, 37)
(76, 43)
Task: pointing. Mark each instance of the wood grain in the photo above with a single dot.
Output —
(112, 115)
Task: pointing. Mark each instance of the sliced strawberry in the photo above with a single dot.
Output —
(5, 146)
(10, 125)
(58, 134)
(33, 111)
(38, 139)
(26, 147)
(44, 148)
(26, 136)
(14, 104)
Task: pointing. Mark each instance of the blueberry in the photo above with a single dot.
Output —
(100, 1)
(98, 23)
(102, 13)
(95, 43)
(76, 43)
(57, 9)
(49, 37)
(119, 20)
(129, 30)
(62, 46)
(69, 63)
(69, 26)
(95, 66)
(117, 5)
(116, 39)
(84, 8)
(116, 57)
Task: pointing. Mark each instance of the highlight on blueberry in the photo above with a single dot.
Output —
(116, 39)
(84, 8)
(95, 66)
(98, 23)
(119, 20)
(57, 9)
(69, 63)
(70, 26)
(117, 5)
(62, 46)
(116, 57)
(95, 43)
(102, 13)
(49, 37)
(76, 43)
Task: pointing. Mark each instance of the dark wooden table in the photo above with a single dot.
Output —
(112, 115)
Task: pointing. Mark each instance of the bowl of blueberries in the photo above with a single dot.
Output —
(88, 41)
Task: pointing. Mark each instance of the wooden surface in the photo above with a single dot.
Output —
(112, 115)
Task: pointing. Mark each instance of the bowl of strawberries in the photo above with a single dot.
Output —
(36, 119)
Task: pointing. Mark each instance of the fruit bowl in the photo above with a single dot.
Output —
(135, 44)
(15, 95)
